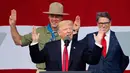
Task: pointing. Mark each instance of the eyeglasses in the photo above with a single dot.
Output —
(103, 22)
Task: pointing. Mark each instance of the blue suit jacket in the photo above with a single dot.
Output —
(79, 56)
(115, 61)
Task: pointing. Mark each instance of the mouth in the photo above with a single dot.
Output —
(103, 29)
(55, 23)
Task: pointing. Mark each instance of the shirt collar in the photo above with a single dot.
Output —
(62, 43)
(108, 33)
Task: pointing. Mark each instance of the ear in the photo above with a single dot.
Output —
(97, 23)
(110, 23)
(48, 16)
(61, 18)
(59, 33)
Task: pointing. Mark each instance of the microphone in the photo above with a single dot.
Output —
(67, 40)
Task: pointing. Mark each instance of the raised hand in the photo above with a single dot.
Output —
(35, 36)
(76, 24)
(99, 36)
(13, 17)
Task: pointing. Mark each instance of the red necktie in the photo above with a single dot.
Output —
(104, 46)
(65, 60)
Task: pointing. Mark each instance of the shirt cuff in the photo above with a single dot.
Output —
(98, 45)
(33, 43)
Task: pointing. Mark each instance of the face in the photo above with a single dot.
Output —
(54, 20)
(66, 29)
(104, 24)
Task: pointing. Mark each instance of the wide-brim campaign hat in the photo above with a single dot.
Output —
(56, 8)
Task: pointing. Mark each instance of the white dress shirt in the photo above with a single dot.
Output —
(107, 38)
(68, 48)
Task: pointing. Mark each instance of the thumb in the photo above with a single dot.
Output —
(77, 17)
(38, 35)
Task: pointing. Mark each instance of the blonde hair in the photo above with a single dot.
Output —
(64, 22)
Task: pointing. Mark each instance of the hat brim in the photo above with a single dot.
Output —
(56, 13)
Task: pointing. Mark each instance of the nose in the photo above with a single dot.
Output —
(55, 19)
(68, 30)
(103, 25)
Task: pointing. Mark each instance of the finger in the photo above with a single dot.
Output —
(38, 35)
(13, 12)
(101, 33)
(101, 30)
(77, 20)
(77, 17)
(33, 30)
(10, 17)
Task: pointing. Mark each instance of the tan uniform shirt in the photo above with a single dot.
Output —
(44, 37)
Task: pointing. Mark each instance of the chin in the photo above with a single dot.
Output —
(54, 26)
(106, 31)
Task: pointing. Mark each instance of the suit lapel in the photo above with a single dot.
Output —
(59, 54)
(111, 43)
(73, 48)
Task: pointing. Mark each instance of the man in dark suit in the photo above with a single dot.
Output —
(58, 58)
(113, 59)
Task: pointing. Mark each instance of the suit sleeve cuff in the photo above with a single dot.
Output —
(98, 45)
(33, 43)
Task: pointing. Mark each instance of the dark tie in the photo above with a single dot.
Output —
(104, 46)
(65, 60)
